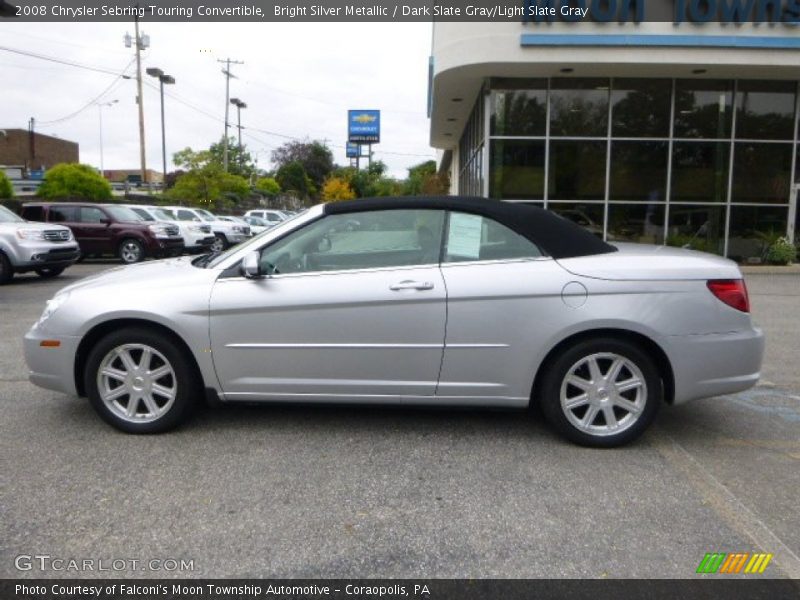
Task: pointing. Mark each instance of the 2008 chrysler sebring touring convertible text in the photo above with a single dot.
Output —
(426, 301)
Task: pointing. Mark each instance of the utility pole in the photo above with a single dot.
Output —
(163, 78)
(227, 72)
(239, 106)
(142, 42)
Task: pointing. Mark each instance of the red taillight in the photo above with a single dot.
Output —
(732, 292)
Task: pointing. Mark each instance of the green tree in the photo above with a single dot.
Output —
(6, 189)
(240, 162)
(268, 186)
(292, 177)
(315, 158)
(204, 182)
(424, 180)
(73, 180)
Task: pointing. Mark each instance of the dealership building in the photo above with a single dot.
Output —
(684, 133)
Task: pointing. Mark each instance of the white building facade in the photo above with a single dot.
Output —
(660, 132)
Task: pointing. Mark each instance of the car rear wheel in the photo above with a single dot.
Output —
(6, 272)
(220, 243)
(131, 251)
(138, 381)
(49, 272)
(602, 392)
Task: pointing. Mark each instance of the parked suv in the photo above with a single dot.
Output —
(227, 234)
(197, 236)
(109, 229)
(46, 249)
(271, 216)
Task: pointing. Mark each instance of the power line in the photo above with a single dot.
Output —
(59, 61)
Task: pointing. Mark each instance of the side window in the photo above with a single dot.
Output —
(473, 237)
(185, 215)
(91, 214)
(61, 214)
(365, 240)
(33, 213)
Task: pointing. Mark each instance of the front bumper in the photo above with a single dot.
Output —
(48, 367)
(201, 243)
(166, 245)
(46, 255)
(714, 364)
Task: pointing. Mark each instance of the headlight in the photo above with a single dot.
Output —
(196, 228)
(158, 229)
(238, 229)
(52, 306)
(30, 234)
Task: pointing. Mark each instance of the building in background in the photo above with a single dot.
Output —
(35, 152)
(685, 134)
(132, 176)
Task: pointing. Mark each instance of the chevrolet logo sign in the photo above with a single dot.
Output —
(364, 118)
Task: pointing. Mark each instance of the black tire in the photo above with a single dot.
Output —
(220, 243)
(596, 432)
(6, 271)
(184, 381)
(49, 272)
(131, 251)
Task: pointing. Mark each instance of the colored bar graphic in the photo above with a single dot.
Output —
(721, 562)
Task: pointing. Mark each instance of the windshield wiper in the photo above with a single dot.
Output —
(206, 258)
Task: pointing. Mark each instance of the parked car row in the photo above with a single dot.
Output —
(51, 236)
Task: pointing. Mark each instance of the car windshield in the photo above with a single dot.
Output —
(256, 221)
(123, 213)
(6, 216)
(164, 214)
(255, 240)
(143, 214)
(207, 216)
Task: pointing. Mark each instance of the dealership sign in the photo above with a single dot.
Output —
(352, 150)
(676, 11)
(364, 126)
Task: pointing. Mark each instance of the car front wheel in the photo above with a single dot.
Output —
(131, 251)
(139, 381)
(220, 243)
(602, 392)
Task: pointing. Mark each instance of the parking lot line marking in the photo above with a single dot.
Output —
(727, 505)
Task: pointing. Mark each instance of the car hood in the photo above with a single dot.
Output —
(649, 262)
(33, 225)
(157, 274)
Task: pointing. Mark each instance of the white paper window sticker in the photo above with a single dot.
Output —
(464, 236)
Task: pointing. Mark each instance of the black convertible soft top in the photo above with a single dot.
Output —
(556, 236)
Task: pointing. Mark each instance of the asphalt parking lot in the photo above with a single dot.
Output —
(312, 492)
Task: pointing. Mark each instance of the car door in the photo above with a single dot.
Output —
(504, 303)
(95, 231)
(347, 315)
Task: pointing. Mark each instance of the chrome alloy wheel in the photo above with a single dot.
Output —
(131, 252)
(603, 394)
(137, 383)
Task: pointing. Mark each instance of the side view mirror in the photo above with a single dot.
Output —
(251, 265)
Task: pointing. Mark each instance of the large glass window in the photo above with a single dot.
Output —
(641, 107)
(642, 223)
(577, 170)
(366, 240)
(765, 110)
(700, 171)
(697, 227)
(520, 111)
(762, 173)
(639, 171)
(579, 107)
(590, 216)
(703, 109)
(753, 229)
(517, 169)
(473, 237)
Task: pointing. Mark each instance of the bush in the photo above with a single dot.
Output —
(336, 188)
(6, 189)
(782, 252)
(268, 186)
(74, 181)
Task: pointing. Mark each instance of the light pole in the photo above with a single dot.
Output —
(168, 80)
(142, 43)
(239, 106)
(100, 106)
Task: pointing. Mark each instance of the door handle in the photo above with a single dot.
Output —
(411, 285)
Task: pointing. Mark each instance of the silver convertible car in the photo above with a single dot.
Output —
(413, 301)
